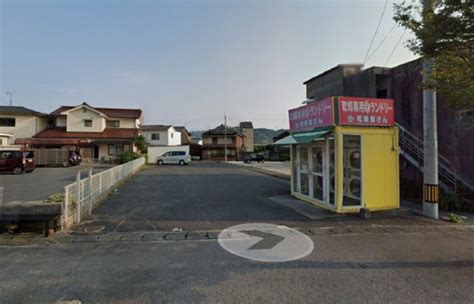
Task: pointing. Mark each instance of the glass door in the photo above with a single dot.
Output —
(317, 173)
(303, 186)
(331, 171)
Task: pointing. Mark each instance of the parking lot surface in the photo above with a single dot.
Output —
(41, 183)
(281, 168)
(200, 196)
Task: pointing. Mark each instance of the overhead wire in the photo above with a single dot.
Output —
(381, 42)
(395, 47)
(376, 31)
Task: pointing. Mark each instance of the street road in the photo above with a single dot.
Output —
(412, 261)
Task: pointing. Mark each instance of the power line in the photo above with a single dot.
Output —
(376, 31)
(381, 42)
(395, 47)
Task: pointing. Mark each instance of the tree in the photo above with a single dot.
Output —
(140, 143)
(444, 32)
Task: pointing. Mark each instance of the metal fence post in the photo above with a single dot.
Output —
(100, 184)
(90, 191)
(78, 196)
(1, 202)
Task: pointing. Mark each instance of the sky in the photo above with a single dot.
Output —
(186, 62)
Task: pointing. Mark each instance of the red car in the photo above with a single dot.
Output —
(16, 161)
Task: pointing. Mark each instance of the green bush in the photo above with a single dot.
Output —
(140, 143)
(56, 198)
(128, 156)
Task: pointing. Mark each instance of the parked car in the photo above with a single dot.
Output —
(174, 157)
(254, 157)
(17, 161)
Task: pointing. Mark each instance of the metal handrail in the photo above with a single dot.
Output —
(412, 145)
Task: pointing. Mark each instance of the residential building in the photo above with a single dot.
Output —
(246, 127)
(98, 133)
(403, 84)
(330, 82)
(185, 135)
(18, 122)
(161, 135)
(214, 144)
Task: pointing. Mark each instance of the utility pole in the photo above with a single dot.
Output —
(225, 138)
(430, 136)
(10, 93)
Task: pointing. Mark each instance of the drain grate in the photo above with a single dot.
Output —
(178, 236)
(146, 236)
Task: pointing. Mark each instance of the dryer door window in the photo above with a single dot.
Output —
(352, 184)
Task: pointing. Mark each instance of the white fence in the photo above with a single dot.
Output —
(84, 194)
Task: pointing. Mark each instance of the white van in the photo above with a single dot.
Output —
(174, 157)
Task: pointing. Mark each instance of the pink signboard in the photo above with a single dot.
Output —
(312, 115)
(358, 111)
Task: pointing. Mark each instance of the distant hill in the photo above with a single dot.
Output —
(262, 136)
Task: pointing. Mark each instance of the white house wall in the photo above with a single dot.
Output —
(25, 126)
(127, 122)
(174, 137)
(75, 121)
(163, 141)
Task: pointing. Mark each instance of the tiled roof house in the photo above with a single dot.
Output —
(99, 133)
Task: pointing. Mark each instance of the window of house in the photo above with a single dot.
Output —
(155, 136)
(172, 135)
(116, 149)
(87, 123)
(7, 122)
(113, 123)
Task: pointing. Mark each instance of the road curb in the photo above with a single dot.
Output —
(260, 170)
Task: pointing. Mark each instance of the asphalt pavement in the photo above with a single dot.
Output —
(138, 259)
(200, 196)
(343, 268)
(42, 182)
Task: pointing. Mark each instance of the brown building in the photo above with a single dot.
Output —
(246, 127)
(185, 135)
(402, 83)
(213, 144)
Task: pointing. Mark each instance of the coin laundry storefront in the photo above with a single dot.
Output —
(344, 154)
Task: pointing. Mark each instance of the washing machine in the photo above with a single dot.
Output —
(352, 173)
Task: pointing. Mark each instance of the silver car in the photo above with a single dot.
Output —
(174, 157)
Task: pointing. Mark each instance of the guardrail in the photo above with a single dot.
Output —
(83, 195)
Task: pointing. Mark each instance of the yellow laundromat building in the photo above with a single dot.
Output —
(344, 154)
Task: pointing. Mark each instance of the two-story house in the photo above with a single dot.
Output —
(161, 135)
(216, 141)
(18, 122)
(99, 133)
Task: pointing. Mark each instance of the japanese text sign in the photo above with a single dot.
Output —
(366, 111)
(312, 115)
